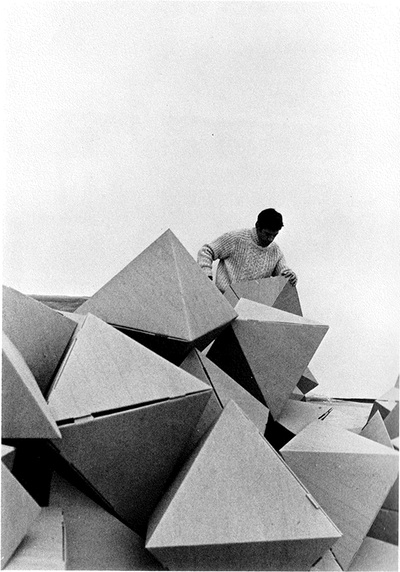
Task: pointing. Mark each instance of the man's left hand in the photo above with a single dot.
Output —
(291, 276)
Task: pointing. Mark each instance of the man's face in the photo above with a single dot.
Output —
(266, 235)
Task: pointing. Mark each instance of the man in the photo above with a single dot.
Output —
(247, 254)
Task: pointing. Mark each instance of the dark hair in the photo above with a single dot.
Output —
(270, 218)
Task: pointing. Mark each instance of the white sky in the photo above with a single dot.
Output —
(128, 118)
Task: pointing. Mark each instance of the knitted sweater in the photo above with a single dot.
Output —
(241, 258)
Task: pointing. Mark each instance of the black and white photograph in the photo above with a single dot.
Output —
(201, 272)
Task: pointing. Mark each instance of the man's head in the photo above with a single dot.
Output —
(269, 223)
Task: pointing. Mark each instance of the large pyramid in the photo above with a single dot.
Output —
(163, 292)
(236, 506)
(349, 475)
(125, 415)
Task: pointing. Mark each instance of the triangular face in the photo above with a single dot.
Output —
(278, 347)
(275, 291)
(249, 310)
(18, 511)
(226, 389)
(128, 457)
(105, 370)
(39, 333)
(25, 413)
(337, 467)
(236, 494)
(376, 431)
(162, 291)
(392, 422)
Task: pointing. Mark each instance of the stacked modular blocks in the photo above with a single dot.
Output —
(163, 425)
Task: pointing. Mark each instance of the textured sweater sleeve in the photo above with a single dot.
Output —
(219, 249)
(280, 265)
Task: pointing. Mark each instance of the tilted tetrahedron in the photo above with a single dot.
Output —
(125, 415)
(307, 382)
(267, 350)
(163, 291)
(275, 291)
(235, 505)
(388, 406)
(25, 412)
(39, 333)
(349, 476)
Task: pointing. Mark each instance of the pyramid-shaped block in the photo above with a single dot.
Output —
(95, 539)
(349, 475)
(163, 291)
(125, 415)
(25, 412)
(267, 350)
(376, 431)
(307, 382)
(39, 333)
(225, 389)
(18, 511)
(298, 395)
(275, 291)
(236, 506)
(385, 525)
(387, 403)
(43, 547)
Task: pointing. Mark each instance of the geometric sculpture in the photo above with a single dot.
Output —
(236, 506)
(274, 291)
(125, 415)
(267, 350)
(95, 539)
(43, 547)
(336, 466)
(164, 300)
(18, 511)
(224, 389)
(25, 412)
(39, 333)
(388, 406)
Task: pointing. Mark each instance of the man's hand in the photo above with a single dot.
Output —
(290, 275)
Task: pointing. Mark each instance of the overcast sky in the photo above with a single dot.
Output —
(128, 118)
